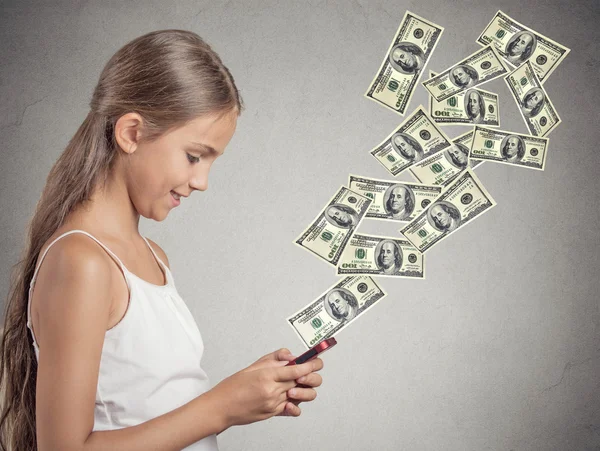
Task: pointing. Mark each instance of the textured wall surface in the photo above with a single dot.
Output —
(498, 349)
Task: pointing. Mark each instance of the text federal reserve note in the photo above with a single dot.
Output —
(516, 44)
(329, 233)
(461, 202)
(480, 67)
(381, 256)
(416, 138)
(335, 309)
(443, 167)
(404, 62)
(474, 106)
(393, 200)
(508, 147)
(534, 104)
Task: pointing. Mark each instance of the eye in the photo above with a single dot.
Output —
(192, 159)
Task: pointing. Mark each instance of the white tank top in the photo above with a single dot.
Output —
(150, 362)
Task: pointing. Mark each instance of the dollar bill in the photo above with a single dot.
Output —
(416, 138)
(329, 233)
(536, 108)
(443, 167)
(393, 200)
(404, 61)
(480, 67)
(517, 43)
(335, 309)
(381, 256)
(462, 201)
(509, 148)
(474, 106)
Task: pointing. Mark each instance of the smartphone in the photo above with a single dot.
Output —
(314, 351)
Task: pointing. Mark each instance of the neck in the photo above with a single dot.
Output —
(109, 210)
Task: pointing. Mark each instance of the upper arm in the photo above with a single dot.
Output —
(161, 254)
(73, 303)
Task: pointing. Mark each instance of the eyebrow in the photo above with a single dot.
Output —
(205, 147)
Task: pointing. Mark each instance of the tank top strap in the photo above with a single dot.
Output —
(39, 264)
(111, 253)
(156, 256)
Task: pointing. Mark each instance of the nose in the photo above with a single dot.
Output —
(199, 180)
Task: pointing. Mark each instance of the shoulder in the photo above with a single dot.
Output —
(161, 254)
(72, 293)
(73, 288)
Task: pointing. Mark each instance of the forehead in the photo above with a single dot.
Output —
(437, 208)
(397, 189)
(526, 37)
(211, 129)
(387, 245)
(335, 296)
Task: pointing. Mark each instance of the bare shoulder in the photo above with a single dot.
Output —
(72, 293)
(74, 263)
(161, 254)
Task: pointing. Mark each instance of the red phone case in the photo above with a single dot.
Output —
(313, 352)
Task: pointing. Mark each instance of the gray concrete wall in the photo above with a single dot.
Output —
(498, 349)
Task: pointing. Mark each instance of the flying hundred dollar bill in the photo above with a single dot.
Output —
(461, 202)
(381, 256)
(393, 200)
(443, 167)
(474, 106)
(480, 67)
(329, 233)
(335, 309)
(401, 69)
(534, 104)
(416, 138)
(509, 148)
(516, 44)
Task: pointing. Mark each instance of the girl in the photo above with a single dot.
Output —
(99, 351)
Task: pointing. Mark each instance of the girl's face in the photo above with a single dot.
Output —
(174, 165)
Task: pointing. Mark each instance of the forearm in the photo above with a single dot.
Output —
(172, 431)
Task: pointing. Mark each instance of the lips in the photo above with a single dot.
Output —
(176, 195)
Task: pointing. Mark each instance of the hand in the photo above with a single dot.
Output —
(304, 391)
(260, 391)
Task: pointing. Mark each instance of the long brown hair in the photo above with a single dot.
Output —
(169, 77)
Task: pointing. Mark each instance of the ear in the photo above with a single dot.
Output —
(128, 131)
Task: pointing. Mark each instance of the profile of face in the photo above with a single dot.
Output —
(473, 103)
(178, 161)
(458, 156)
(407, 150)
(388, 255)
(461, 76)
(405, 59)
(339, 306)
(397, 200)
(520, 44)
(342, 218)
(511, 148)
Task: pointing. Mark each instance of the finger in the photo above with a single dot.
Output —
(280, 354)
(293, 409)
(302, 394)
(310, 380)
(290, 410)
(262, 364)
(294, 372)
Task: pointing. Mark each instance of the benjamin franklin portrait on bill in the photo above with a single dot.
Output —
(407, 58)
(340, 304)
